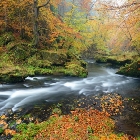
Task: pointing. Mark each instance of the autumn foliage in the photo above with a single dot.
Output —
(81, 124)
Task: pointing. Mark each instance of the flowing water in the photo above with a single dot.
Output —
(101, 80)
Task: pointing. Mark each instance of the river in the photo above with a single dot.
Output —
(101, 80)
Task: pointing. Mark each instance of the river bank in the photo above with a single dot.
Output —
(110, 105)
(128, 64)
(38, 97)
(20, 59)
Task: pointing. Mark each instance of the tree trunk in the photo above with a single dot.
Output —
(36, 14)
(6, 20)
(35, 29)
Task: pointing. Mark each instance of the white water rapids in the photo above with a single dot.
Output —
(100, 80)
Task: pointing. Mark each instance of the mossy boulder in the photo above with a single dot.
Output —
(132, 69)
(101, 59)
(12, 74)
(76, 68)
(118, 62)
(46, 59)
(55, 57)
(114, 60)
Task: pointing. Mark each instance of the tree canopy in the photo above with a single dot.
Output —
(107, 25)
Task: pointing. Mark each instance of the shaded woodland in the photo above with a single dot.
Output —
(31, 32)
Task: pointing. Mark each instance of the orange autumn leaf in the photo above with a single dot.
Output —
(9, 131)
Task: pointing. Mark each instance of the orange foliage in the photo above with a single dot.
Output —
(81, 125)
(9, 131)
(123, 33)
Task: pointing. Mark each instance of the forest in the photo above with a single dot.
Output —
(51, 37)
(56, 37)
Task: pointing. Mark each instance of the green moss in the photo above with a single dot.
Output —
(101, 59)
(19, 52)
(1, 130)
(120, 134)
(33, 61)
(30, 70)
(132, 69)
(90, 130)
(20, 60)
(55, 57)
(119, 60)
(57, 111)
(75, 69)
(12, 73)
(28, 131)
(44, 71)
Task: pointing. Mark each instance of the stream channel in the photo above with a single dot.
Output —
(101, 80)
